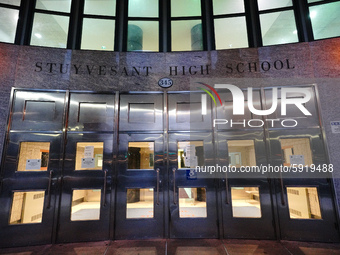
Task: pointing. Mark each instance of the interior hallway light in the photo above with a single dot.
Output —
(312, 14)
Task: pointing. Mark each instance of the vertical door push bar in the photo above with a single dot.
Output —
(157, 195)
(174, 182)
(104, 189)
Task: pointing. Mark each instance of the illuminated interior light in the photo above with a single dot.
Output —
(312, 14)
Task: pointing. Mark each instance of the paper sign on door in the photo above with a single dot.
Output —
(88, 152)
(190, 150)
(297, 160)
(190, 158)
(33, 164)
(88, 163)
(190, 161)
(335, 125)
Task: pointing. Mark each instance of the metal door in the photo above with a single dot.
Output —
(88, 169)
(304, 196)
(140, 166)
(192, 200)
(30, 168)
(245, 192)
(193, 207)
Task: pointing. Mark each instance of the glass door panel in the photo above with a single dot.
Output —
(89, 156)
(246, 202)
(27, 207)
(85, 205)
(140, 203)
(192, 203)
(33, 156)
(303, 203)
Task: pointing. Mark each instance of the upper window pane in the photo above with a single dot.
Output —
(241, 153)
(54, 5)
(231, 33)
(265, 4)
(145, 8)
(313, 1)
(8, 24)
(186, 35)
(89, 156)
(11, 2)
(100, 7)
(278, 28)
(325, 20)
(142, 36)
(228, 6)
(34, 156)
(141, 155)
(181, 8)
(296, 151)
(49, 30)
(98, 34)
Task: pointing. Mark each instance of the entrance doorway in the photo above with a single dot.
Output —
(83, 166)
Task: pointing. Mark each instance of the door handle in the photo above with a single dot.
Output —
(227, 190)
(174, 182)
(282, 191)
(281, 180)
(49, 190)
(0, 186)
(104, 189)
(157, 194)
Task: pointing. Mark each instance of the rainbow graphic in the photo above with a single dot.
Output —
(204, 97)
